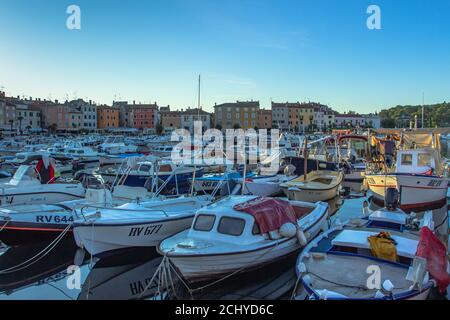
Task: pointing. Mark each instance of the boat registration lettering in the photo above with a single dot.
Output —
(435, 183)
(145, 231)
(54, 219)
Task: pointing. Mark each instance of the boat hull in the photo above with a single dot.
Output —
(417, 192)
(39, 195)
(103, 239)
(309, 195)
(195, 268)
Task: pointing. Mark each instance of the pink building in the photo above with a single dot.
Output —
(145, 115)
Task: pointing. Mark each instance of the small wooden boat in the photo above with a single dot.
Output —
(241, 233)
(319, 185)
(344, 264)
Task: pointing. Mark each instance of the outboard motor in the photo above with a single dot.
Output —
(391, 199)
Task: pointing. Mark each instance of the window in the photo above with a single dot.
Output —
(231, 226)
(407, 159)
(424, 160)
(204, 222)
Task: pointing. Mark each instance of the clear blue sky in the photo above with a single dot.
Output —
(318, 50)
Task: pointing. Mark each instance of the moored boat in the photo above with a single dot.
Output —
(240, 233)
(318, 186)
(379, 257)
(135, 224)
(417, 176)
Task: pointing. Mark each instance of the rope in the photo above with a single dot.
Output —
(3, 227)
(37, 256)
(166, 266)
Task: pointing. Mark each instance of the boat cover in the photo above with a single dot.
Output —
(434, 251)
(270, 214)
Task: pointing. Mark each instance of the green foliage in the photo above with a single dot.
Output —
(435, 115)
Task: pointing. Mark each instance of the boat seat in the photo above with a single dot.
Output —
(358, 239)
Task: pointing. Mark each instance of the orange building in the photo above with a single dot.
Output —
(265, 119)
(107, 117)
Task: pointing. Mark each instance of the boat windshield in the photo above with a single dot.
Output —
(204, 222)
(231, 226)
(23, 173)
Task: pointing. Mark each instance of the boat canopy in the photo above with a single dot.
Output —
(421, 140)
(270, 214)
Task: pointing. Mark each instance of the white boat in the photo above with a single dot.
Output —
(116, 145)
(224, 238)
(342, 264)
(319, 185)
(37, 222)
(76, 151)
(142, 224)
(417, 177)
(31, 185)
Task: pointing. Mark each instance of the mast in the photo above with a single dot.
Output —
(195, 142)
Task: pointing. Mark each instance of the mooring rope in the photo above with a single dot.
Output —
(39, 255)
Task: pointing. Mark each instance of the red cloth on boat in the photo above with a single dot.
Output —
(434, 251)
(270, 214)
(46, 174)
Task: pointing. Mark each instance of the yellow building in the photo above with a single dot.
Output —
(107, 117)
(242, 114)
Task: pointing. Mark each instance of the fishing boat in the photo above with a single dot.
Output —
(38, 185)
(242, 233)
(135, 224)
(318, 186)
(381, 256)
(418, 176)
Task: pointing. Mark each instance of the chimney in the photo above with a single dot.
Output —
(90, 102)
(134, 101)
(56, 101)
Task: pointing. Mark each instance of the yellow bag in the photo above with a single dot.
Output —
(383, 246)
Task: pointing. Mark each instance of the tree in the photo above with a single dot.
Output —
(219, 127)
(236, 126)
(28, 128)
(159, 129)
(256, 128)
